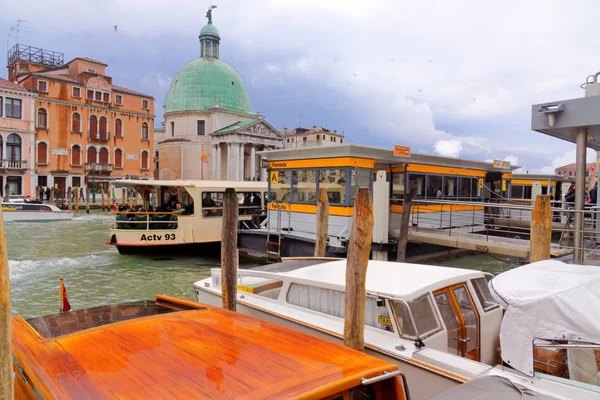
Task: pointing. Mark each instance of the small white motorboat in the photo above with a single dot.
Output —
(33, 212)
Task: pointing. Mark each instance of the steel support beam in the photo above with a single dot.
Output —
(580, 194)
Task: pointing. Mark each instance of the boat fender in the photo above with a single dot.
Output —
(419, 343)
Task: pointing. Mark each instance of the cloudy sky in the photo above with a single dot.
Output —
(455, 78)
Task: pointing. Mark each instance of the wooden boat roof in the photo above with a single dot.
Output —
(203, 184)
(205, 352)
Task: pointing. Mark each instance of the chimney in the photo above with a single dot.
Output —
(259, 115)
(285, 129)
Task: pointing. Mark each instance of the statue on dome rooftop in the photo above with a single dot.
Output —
(209, 13)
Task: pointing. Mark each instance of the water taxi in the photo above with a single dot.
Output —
(171, 348)
(33, 212)
(181, 215)
(442, 325)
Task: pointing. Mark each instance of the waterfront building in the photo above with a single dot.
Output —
(211, 132)
(569, 170)
(314, 137)
(88, 131)
(17, 138)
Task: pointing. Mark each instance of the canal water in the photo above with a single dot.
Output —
(94, 273)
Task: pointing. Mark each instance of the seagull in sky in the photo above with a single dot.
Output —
(354, 74)
(116, 28)
(420, 90)
(391, 59)
(429, 60)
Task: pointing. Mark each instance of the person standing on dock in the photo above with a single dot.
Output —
(81, 194)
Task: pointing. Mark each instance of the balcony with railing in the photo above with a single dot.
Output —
(13, 164)
(98, 168)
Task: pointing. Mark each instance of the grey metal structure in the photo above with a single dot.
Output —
(577, 121)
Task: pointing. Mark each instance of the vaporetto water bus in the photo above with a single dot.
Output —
(537, 325)
(180, 215)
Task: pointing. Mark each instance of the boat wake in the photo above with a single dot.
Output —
(94, 217)
(19, 269)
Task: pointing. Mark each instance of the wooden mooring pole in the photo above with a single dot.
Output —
(69, 198)
(405, 224)
(123, 196)
(102, 200)
(52, 195)
(37, 194)
(229, 251)
(322, 223)
(359, 249)
(76, 199)
(87, 199)
(541, 229)
(6, 363)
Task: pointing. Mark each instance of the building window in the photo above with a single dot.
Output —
(90, 95)
(43, 86)
(318, 137)
(118, 158)
(42, 180)
(13, 147)
(76, 92)
(93, 127)
(91, 70)
(76, 123)
(304, 139)
(288, 140)
(42, 153)
(98, 96)
(172, 128)
(570, 173)
(76, 182)
(118, 100)
(200, 128)
(76, 155)
(103, 130)
(145, 131)
(103, 156)
(145, 104)
(42, 118)
(144, 160)
(118, 128)
(91, 155)
(106, 97)
(341, 140)
(1, 108)
(13, 108)
(14, 185)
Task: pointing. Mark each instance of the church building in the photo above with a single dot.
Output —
(210, 130)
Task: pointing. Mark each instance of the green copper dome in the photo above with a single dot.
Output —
(204, 82)
(209, 29)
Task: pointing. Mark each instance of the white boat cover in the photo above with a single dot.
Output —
(491, 388)
(546, 300)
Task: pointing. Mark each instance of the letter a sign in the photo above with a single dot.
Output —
(274, 177)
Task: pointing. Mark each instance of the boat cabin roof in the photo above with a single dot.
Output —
(195, 350)
(216, 185)
(400, 280)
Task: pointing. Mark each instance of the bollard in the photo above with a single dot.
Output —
(541, 229)
(6, 362)
(123, 196)
(405, 224)
(68, 198)
(52, 196)
(87, 200)
(229, 253)
(37, 194)
(76, 199)
(322, 223)
(359, 250)
(102, 208)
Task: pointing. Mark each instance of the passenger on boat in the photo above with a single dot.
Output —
(208, 202)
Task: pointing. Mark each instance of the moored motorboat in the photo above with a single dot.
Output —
(33, 212)
(174, 349)
(437, 323)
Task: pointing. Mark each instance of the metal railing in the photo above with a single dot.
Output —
(35, 55)
(125, 220)
(491, 221)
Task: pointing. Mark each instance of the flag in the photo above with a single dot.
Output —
(64, 300)
(114, 200)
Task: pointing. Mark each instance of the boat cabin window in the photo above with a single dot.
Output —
(434, 187)
(360, 178)
(280, 183)
(417, 180)
(516, 192)
(55, 325)
(483, 293)
(249, 203)
(423, 313)
(305, 186)
(334, 181)
(331, 302)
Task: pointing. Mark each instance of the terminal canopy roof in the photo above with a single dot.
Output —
(546, 300)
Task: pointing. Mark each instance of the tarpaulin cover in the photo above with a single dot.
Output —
(491, 388)
(546, 300)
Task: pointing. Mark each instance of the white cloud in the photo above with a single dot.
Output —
(448, 148)
(514, 160)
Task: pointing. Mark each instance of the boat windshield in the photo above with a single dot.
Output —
(51, 326)
(417, 318)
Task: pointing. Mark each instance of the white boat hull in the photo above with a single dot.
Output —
(37, 216)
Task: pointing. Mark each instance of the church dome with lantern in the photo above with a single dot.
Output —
(207, 82)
